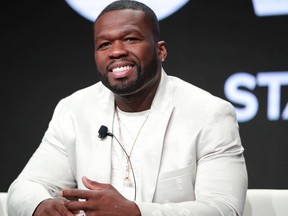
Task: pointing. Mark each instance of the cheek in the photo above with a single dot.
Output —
(99, 60)
(146, 54)
(151, 57)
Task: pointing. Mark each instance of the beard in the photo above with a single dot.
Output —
(144, 75)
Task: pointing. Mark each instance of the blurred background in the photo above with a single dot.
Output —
(237, 50)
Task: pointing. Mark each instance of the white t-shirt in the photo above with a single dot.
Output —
(130, 134)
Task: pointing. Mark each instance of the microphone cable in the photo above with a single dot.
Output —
(103, 132)
(130, 163)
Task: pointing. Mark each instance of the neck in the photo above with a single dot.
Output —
(137, 101)
(134, 103)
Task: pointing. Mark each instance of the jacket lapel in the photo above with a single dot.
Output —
(161, 111)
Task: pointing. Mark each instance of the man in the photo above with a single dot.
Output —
(171, 148)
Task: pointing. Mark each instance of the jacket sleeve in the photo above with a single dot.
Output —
(47, 171)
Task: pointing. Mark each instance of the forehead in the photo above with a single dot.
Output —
(118, 20)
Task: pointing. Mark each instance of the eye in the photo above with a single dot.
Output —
(104, 45)
(130, 39)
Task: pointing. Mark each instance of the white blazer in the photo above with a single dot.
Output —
(192, 158)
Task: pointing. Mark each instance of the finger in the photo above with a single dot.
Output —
(54, 207)
(88, 183)
(74, 194)
(65, 212)
(76, 206)
(92, 185)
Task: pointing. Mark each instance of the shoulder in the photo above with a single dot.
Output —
(184, 91)
(81, 99)
(195, 101)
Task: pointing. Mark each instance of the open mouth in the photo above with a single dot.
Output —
(123, 71)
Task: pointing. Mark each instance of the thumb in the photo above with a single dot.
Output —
(92, 185)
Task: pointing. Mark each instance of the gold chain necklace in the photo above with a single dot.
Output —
(127, 179)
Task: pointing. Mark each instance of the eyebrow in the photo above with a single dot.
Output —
(123, 33)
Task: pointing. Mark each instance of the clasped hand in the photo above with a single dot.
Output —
(99, 199)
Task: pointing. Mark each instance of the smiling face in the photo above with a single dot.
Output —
(127, 56)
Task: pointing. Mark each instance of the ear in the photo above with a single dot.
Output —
(162, 52)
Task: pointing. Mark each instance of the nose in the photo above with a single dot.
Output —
(118, 50)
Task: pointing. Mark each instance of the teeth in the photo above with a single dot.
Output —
(121, 69)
